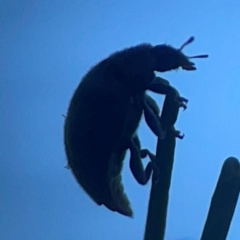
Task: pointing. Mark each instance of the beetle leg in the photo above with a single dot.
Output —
(152, 118)
(141, 175)
(162, 86)
(144, 153)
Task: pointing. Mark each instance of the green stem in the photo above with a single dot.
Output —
(158, 203)
(223, 202)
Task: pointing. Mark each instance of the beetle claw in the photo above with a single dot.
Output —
(179, 135)
(182, 102)
(182, 99)
(183, 105)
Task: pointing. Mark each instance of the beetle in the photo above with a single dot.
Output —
(99, 126)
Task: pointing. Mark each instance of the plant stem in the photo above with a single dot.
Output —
(223, 202)
(158, 203)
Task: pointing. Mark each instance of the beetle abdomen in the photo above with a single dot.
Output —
(93, 127)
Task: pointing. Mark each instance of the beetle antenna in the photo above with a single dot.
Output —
(200, 56)
(190, 40)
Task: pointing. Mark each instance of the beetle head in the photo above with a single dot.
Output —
(168, 58)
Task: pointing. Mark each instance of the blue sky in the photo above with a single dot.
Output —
(45, 49)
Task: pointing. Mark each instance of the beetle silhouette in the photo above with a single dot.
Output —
(104, 114)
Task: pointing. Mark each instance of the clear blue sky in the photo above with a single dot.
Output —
(45, 49)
